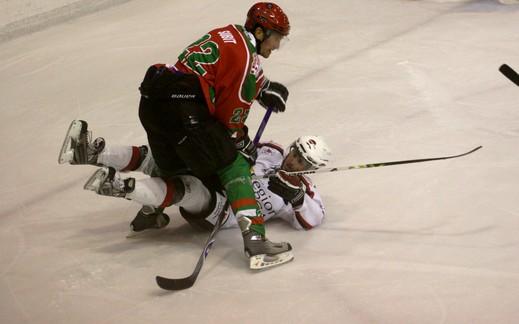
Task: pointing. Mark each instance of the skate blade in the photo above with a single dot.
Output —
(96, 179)
(263, 261)
(66, 153)
(135, 234)
(131, 234)
(161, 225)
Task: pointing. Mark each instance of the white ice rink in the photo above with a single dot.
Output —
(382, 80)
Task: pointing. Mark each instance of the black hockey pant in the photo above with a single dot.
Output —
(185, 138)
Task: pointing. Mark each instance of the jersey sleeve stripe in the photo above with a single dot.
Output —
(247, 66)
(301, 220)
(272, 145)
(308, 187)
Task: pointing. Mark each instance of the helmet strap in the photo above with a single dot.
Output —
(265, 33)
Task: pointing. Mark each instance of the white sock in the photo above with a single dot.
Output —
(196, 196)
(149, 191)
(116, 156)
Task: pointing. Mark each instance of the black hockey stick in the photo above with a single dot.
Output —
(187, 282)
(509, 73)
(371, 165)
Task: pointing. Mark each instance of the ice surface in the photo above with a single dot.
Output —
(382, 80)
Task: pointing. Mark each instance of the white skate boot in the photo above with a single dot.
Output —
(261, 252)
(77, 146)
(107, 182)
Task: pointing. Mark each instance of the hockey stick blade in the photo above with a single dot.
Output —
(370, 165)
(189, 281)
(509, 73)
(186, 282)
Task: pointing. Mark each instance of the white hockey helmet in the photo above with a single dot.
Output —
(313, 149)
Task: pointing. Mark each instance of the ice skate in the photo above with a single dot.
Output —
(263, 253)
(107, 182)
(148, 217)
(77, 146)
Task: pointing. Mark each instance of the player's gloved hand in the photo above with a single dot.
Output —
(245, 146)
(150, 86)
(273, 95)
(288, 187)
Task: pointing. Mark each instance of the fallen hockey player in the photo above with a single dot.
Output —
(294, 199)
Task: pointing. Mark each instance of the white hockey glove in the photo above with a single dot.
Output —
(273, 95)
(290, 188)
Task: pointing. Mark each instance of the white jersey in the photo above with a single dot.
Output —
(308, 215)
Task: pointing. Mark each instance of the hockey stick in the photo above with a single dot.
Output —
(187, 282)
(509, 73)
(371, 165)
(262, 126)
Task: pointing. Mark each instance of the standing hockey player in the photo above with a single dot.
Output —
(194, 114)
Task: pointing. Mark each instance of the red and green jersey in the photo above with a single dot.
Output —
(229, 71)
(231, 77)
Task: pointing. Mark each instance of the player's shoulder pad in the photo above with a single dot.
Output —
(270, 147)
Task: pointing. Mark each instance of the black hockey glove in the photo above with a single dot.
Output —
(290, 188)
(273, 95)
(153, 84)
(245, 146)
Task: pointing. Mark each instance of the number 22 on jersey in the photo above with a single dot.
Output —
(200, 53)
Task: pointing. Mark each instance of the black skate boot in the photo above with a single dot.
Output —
(149, 217)
(107, 182)
(77, 146)
(263, 253)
